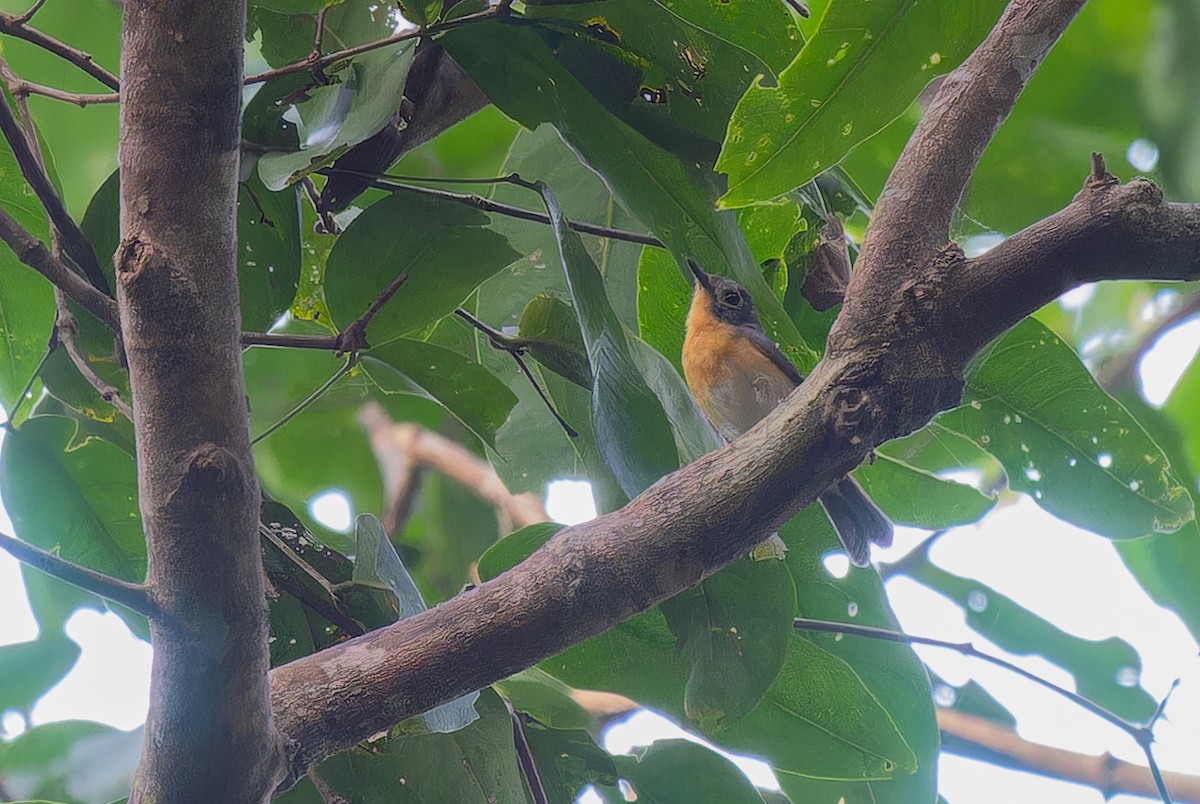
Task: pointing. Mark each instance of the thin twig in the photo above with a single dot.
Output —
(321, 63)
(80, 99)
(134, 596)
(1142, 735)
(67, 329)
(353, 339)
(499, 342)
(313, 397)
(326, 343)
(16, 25)
(487, 205)
(537, 790)
(74, 241)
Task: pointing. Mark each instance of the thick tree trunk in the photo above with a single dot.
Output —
(209, 735)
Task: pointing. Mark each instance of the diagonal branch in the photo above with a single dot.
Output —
(978, 738)
(134, 596)
(74, 241)
(17, 25)
(34, 253)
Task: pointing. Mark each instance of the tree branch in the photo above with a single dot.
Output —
(34, 253)
(917, 312)
(976, 737)
(17, 25)
(74, 241)
(134, 596)
(403, 449)
(322, 62)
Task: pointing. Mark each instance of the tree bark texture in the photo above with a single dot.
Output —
(209, 734)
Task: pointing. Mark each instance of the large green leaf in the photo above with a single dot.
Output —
(31, 668)
(893, 673)
(680, 771)
(360, 97)
(567, 760)
(268, 252)
(58, 761)
(76, 499)
(445, 248)
(632, 429)
(865, 63)
(1066, 442)
(468, 390)
(674, 70)
(517, 71)
(474, 765)
(734, 630)
(915, 497)
(1101, 668)
(26, 299)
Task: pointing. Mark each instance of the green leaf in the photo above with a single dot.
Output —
(1100, 667)
(26, 299)
(268, 252)
(516, 70)
(681, 771)
(817, 701)
(101, 760)
(664, 297)
(1066, 442)
(468, 390)
(445, 248)
(31, 668)
(361, 97)
(864, 65)
(632, 428)
(693, 58)
(550, 331)
(920, 499)
(475, 765)
(515, 548)
(892, 672)
(733, 630)
(568, 760)
(547, 699)
(75, 499)
(292, 6)
(839, 729)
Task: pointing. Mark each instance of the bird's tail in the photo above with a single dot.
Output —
(857, 519)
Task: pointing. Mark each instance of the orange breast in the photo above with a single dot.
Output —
(734, 384)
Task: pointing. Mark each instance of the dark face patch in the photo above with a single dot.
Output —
(731, 302)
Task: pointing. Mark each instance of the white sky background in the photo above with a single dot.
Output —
(1072, 578)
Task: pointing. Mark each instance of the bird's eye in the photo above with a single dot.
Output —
(732, 299)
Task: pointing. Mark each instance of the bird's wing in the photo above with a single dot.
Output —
(770, 350)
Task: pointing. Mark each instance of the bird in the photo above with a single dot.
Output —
(737, 375)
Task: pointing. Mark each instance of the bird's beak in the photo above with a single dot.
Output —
(701, 275)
